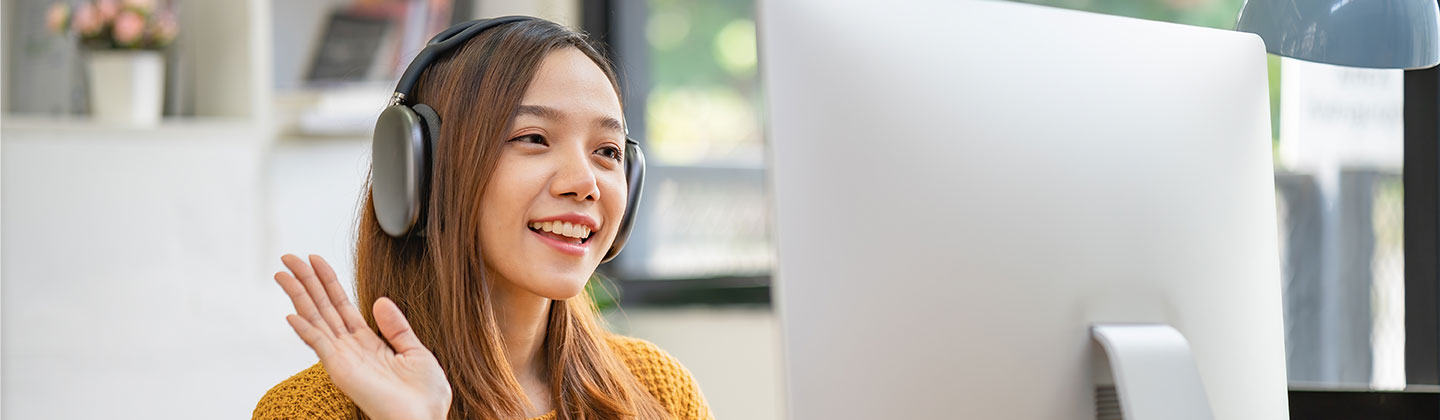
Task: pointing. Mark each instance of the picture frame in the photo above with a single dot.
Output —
(348, 49)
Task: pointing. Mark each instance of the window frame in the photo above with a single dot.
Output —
(1422, 226)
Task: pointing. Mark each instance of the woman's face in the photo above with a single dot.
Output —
(551, 209)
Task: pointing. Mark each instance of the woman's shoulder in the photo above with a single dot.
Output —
(663, 375)
(307, 395)
(646, 360)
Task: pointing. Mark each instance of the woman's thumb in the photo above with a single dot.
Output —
(394, 327)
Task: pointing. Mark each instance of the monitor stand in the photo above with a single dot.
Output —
(1153, 371)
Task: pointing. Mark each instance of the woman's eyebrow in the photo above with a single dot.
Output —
(548, 113)
(540, 111)
(610, 124)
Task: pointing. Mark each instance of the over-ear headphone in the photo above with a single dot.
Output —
(404, 140)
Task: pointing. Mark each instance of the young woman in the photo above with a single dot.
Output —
(485, 316)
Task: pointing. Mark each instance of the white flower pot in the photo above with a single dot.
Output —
(126, 86)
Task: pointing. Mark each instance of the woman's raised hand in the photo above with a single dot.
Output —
(401, 380)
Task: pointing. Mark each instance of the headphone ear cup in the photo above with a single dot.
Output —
(397, 155)
(430, 121)
(400, 166)
(635, 182)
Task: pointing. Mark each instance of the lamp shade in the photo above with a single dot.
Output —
(1395, 34)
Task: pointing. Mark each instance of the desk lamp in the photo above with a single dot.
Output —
(1384, 34)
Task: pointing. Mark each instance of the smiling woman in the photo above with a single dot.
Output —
(563, 163)
(481, 306)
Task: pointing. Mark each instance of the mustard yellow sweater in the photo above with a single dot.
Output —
(310, 394)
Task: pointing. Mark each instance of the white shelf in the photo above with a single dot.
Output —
(16, 129)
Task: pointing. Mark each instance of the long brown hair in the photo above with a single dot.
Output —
(440, 280)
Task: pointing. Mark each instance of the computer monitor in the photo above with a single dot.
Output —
(963, 189)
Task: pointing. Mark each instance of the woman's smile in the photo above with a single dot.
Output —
(568, 233)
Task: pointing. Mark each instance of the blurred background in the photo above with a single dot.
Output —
(159, 156)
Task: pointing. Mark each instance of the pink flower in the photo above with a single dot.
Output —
(87, 21)
(57, 17)
(107, 9)
(128, 28)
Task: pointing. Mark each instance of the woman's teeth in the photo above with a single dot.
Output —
(563, 229)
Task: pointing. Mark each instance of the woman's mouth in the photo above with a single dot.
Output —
(562, 231)
(568, 238)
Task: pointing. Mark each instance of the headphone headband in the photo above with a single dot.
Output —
(443, 42)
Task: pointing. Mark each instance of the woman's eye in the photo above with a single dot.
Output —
(611, 152)
(531, 138)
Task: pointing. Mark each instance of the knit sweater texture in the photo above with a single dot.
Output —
(311, 395)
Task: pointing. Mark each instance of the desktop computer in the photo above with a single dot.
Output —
(992, 210)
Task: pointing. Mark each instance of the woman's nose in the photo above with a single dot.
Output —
(575, 178)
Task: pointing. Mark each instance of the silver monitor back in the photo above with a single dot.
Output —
(962, 188)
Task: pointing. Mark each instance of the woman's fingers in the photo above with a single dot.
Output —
(304, 306)
(395, 328)
(317, 293)
(312, 336)
(348, 312)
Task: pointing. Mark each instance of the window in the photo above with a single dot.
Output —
(693, 101)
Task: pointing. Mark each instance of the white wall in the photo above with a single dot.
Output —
(132, 283)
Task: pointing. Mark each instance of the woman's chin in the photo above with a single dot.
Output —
(542, 277)
(560, 287)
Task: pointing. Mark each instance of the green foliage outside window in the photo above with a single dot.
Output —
(703, 106)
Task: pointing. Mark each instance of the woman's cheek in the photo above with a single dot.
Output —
(614, 208)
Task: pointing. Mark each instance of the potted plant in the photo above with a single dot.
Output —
(122, 42)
